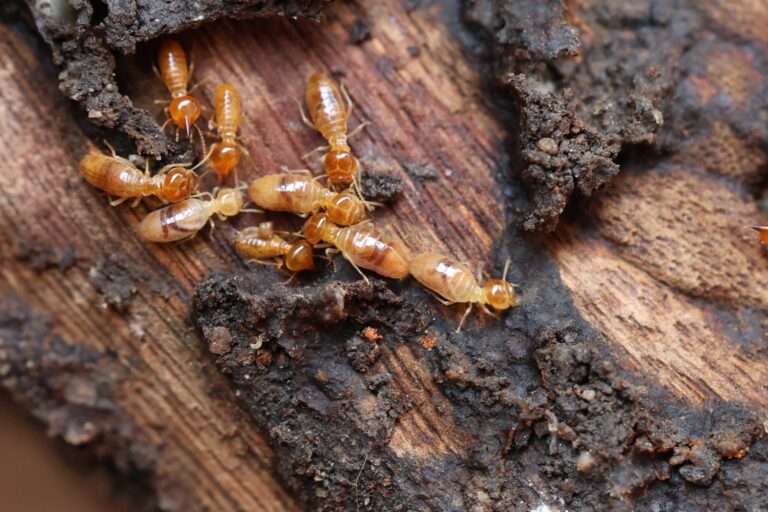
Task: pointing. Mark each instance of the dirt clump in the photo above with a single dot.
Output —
(588, 80)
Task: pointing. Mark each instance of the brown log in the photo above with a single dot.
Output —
(632, 371)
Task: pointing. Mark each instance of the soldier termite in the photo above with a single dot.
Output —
(184, 110)
(120, 178)
(362, 245)
(329, 116)
(453, 283)
(226, 152)
(260, 244)
(301, 194)
(183, 220)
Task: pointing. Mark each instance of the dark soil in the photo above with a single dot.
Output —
(70, 388)
(84, 36)
(540, 394)
(588, 81)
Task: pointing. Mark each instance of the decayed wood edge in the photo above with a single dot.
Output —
(210, 456)
(170, 384)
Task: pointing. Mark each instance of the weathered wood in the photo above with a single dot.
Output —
(661, 269)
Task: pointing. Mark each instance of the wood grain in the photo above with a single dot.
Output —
(646, 282)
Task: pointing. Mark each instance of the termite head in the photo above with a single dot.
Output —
(178, 184)
(229, 201)
(315, 227)
(300, 257)
(499, 294)
(184, 112)
(341, 167)
(346, 209)
(224, 158)
(265, 230)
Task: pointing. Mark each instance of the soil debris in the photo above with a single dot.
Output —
(307, 332)
(42, 257)
(83, 36)
(380, 187)
(593, 78)
(542, 403)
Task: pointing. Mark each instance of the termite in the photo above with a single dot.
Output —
(453, 282)
(183, 220)
(329, 116)
(763, 232)
(261, 243)
(301, 194)
(361, 245)
(226, 152)
(184, 110)
(120, 178)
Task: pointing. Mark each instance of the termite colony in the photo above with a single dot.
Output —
(338, 215)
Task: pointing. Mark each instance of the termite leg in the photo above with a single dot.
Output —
(441, 300)
(198, 83)
(294, 171)
(464, 317)
(118, 202)
(356, 268)
(487, 311)
(358, 128)
(350, 105)
(318, 148)
(304, 115)
(264, 262)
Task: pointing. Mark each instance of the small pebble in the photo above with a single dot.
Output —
(547, 145)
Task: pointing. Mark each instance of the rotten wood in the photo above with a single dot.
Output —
(647, 303)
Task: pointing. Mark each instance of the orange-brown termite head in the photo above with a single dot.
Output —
(184, 112)
(341, 166)
(229, 201)
(265, 230)
(300, 257)
(315, 227)
(224, 158)
(346, 209)
(178, 184)
(498, 294)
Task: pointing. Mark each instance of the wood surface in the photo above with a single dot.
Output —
(662, 266)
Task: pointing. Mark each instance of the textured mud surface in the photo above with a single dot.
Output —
(593, 79)
(85, 35)
(320, 368)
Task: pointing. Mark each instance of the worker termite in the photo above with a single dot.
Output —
(226, 152)
(183, 220)
(301, 194)
(453, 282)
(261, 243)
(361, 245)
(120, 178)
(184, 110)
(329, 116)
(763, 232)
